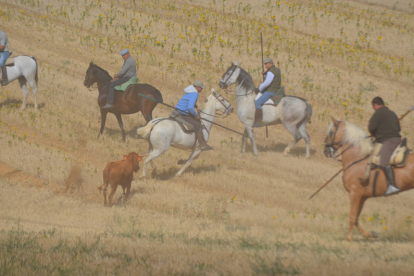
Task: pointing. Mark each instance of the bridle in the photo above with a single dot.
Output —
(223, 83)
(92, 87)
(333, 150)
(225, 107)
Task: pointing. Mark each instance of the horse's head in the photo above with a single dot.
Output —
(90, 77)
(221, 104)
(230, 76)
(334, 137)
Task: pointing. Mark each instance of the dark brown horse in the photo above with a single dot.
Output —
(127, 102)
(356, 148)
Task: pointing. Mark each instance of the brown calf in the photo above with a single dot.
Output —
(120, 173)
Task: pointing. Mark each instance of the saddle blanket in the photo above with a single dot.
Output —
(276, 98)
(269, 101)
(125, 85)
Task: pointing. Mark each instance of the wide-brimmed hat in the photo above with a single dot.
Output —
(124, 51)
(268, 60)
(199, 83)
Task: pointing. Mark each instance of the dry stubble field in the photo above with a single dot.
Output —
(229, 214)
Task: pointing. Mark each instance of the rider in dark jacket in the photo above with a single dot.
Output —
(385, 127)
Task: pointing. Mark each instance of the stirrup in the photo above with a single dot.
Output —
(257, 124)
(391, 190)
(107, 106)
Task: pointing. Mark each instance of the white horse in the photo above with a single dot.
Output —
(292, 112)
(162, 133)
(24, 68)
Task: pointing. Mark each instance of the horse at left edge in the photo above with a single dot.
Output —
(128, 102)
(24, 69)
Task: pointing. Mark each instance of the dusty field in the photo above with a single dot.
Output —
(229, 214)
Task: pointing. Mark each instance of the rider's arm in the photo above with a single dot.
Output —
(267, 82)
(125, 68)
(191, 104)
(373, 124)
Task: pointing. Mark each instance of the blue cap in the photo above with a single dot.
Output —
(124, 51)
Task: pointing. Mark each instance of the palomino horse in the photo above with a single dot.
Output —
(162, 133)
(292, 112)
(356, 148)
(24, 68)
(127, 102)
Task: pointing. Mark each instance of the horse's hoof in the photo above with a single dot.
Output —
(373, 234)
(181, 162)
(286, 153)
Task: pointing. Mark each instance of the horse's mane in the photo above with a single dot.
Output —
(246, 80)
(355, 136)
(101, 73)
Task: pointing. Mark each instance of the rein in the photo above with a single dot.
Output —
(333, 150)
(356, 162)
(233, 67)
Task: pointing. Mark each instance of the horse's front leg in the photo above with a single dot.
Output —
(243, 148)
(193, 156)
(121, 125)
(252, 139)
(103, 120)
(357, 202)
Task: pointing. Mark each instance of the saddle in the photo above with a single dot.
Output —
(125, 85)
(275, 99)
(185, 126)
(398, 157)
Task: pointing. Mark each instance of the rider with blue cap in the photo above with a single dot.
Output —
(128, 71)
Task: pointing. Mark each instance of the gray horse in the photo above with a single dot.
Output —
(292, 112)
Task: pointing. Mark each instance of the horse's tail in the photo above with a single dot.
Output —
(37, 75)
(309, 110)
(145, 131)
(157, 95)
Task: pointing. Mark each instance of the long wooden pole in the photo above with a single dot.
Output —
(261, 42)
(323, 186)
(405, 114)
(327, 183)
(190, 114)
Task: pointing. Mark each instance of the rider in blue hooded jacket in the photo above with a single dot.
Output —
(186, 109)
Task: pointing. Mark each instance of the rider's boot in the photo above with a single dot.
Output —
(4, 77)
(258, 117)
(203, 144)
(389, 175)
(107, 106)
